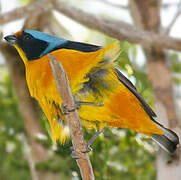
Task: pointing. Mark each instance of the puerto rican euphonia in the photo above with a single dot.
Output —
(112, 100)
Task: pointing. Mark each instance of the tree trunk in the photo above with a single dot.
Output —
(146, 15)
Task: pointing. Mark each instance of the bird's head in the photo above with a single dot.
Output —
(32, 44)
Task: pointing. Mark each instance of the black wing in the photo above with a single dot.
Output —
(78, 46)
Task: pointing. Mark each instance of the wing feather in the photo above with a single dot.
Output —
(132, 88)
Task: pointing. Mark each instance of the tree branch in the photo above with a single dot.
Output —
(118, 29)
(72, 119)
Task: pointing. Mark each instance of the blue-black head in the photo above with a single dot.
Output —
(35, 44)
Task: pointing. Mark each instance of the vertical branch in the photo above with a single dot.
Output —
(72, 117)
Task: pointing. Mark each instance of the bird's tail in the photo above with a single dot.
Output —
(168, 141)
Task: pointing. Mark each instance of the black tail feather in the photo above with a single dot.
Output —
(168, 141)
(165, 143)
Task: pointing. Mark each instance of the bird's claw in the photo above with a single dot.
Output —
(66, 110)
(73, 154)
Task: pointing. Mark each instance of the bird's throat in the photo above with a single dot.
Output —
(22, 54)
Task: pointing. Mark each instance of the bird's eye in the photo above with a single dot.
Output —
(27, 37)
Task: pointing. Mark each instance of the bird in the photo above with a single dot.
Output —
(106, 98)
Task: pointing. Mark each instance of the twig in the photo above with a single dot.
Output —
(176, 16)
(72, 119)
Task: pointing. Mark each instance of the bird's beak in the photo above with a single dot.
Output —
(11, 39)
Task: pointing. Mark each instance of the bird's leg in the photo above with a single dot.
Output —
(79, 103)
(65, 110)
(92, 139)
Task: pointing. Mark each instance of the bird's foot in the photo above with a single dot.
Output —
(88, 145)
(89, 149)
(73, 154)
(66, 110)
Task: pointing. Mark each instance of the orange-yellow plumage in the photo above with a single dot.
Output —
(121, 108)
(106, 96)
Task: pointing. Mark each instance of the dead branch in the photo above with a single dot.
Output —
(72, 119)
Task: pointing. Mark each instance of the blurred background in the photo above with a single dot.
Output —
(26, 151)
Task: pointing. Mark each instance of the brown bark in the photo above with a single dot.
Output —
(160, 77)
(73, 120)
